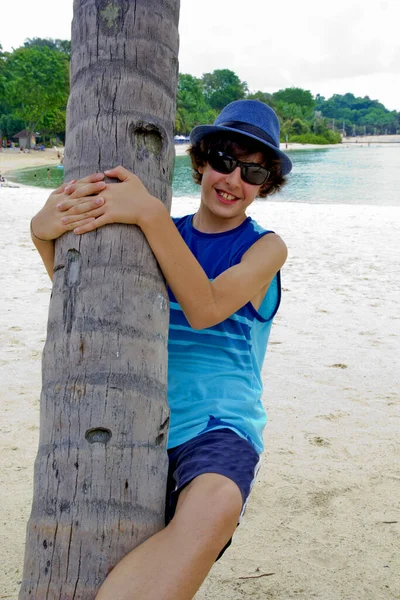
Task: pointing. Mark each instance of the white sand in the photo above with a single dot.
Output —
(324, 517)
(12, 159)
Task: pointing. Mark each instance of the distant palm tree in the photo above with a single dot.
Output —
(100, 471)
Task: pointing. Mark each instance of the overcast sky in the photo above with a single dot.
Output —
(326, 47)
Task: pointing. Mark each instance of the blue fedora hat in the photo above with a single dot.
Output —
(250, 118)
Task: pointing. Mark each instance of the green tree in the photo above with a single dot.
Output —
(53, 124)
(359, 114)
(303, 99)
(3, 63)
(191, 106)
(63, 46)
(9, 123)
(299, 127)
(221, 87)
(262, 97)
(36, 83)
(318, 124)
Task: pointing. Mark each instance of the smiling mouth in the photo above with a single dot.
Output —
(226, 198)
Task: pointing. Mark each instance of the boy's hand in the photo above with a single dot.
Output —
(126, 202)
(51, 222)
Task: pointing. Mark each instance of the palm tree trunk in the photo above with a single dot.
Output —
(100, 471)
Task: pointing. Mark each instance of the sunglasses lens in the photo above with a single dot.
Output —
(221, 162)
(254, 175)
(225, 164)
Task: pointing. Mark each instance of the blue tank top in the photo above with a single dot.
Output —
(214, 374)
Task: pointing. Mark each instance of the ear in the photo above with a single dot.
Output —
(200, 169)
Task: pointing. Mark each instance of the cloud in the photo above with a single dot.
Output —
(308, 44)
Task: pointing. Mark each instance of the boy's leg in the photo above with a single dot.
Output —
(173, 563)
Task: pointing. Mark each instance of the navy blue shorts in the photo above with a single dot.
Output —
(219, 451)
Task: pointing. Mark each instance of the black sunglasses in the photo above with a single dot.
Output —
(252, 173)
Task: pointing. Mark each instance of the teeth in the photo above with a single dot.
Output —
(227, 196)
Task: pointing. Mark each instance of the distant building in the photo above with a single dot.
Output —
(22, 137)
(181, 139)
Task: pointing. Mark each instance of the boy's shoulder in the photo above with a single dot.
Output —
(182, 219)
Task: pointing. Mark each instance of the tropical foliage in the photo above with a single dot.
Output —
(303, 117)
(358, 115)
(34, 87)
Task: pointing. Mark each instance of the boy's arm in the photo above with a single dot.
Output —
(46, 251)
(204, 303)
(48, 224)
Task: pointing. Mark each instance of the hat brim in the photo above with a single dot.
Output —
(202, 130)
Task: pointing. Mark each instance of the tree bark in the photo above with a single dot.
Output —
(29, 139)
(100, 471)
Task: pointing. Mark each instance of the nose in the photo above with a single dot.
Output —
(234, 179)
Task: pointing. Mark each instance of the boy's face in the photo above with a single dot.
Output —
(227, 196)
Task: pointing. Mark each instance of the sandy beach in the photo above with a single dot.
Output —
(15, 159)
(323, 521)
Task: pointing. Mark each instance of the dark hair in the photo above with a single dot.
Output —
(237, 145)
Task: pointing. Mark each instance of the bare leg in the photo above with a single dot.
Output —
(173, 563)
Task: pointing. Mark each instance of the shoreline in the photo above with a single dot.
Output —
(13, 160)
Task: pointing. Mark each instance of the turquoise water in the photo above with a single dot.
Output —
(38, 176)
(355, 175)
(343, 175)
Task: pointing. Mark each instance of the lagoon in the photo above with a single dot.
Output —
(344, 175)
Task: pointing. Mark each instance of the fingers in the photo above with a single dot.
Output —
(84, 205)
(77, 191)
(62, 187)
(89, 179)
(92, 178)
(76, 185)
(72, 220)
(91, 225)
(77, 223)
(119, 173)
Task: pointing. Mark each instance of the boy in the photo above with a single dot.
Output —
(222, 270)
